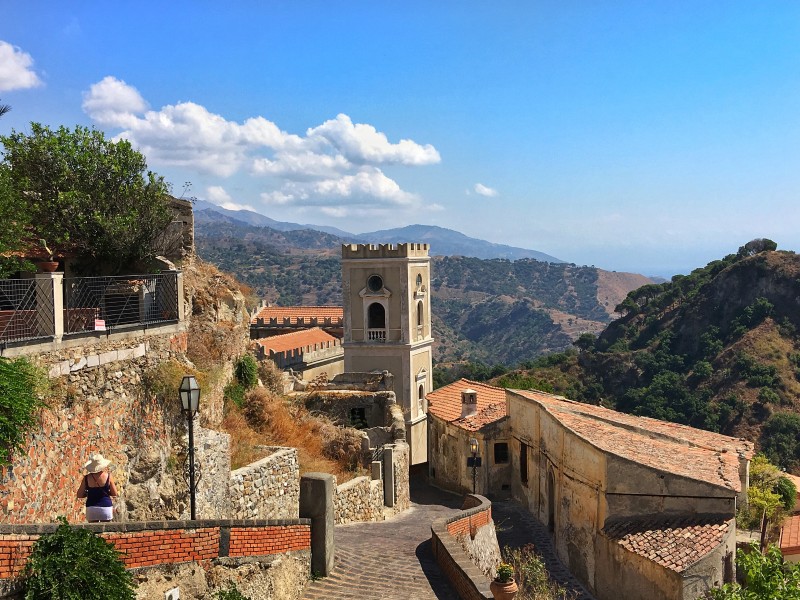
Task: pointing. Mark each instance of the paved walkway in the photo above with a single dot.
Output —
(392, 559)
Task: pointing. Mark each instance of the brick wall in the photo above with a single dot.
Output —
(462, 573)
(152, 543)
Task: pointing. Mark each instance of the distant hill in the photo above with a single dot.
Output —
(443, 242)
(447, 242)
(717, 349)
(490, 310)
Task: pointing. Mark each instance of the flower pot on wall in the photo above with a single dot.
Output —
(47, 266)
(503, 590)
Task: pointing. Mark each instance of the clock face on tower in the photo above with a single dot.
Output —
(375, 283)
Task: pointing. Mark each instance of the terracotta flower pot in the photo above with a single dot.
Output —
(48, 266)
(503, 591)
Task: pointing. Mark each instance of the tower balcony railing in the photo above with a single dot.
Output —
(376, 335)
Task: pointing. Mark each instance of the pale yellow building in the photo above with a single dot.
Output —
(387, 325)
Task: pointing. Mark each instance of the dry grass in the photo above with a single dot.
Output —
(269, 419)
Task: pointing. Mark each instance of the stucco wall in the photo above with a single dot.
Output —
(268, 488)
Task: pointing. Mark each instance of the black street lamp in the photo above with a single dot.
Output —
(473, 447)
(190, 402)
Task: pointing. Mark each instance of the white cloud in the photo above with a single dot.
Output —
(336, 164)
(16, 69)
(483, 190)
(363, 144)
(113, 102)
(216, 194)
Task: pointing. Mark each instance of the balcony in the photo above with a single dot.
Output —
(376, 335)
(50, 307)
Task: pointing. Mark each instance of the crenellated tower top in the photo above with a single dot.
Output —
(407, 250)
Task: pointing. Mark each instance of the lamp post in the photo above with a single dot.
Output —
(190, 402)
(473, 447)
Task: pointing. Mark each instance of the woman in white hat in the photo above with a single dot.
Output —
(98, 488)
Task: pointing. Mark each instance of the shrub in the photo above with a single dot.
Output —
(271, 376)
(787, 490)
(76, 564)
(246, 370)
(231, 592)
(21, 386)
(532, 578)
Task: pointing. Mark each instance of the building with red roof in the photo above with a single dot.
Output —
(459, 412)
(276, 320)
(637, 508)
(310, 352)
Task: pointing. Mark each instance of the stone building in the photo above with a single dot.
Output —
(461, 411)
(387, 325)
(309, 352)
(637, 508)
(277, 320)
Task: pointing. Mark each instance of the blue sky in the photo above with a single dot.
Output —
(640, 136)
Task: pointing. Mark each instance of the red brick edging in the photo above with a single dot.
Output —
(149, 543)
(463, 575)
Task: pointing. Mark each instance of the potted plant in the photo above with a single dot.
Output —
(49, 265)
(504, 587)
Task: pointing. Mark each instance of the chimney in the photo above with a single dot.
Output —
(469, 403)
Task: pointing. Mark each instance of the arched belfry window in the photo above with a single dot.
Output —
(420, 315)
(376, 316)
(419, 282)
(421, 399)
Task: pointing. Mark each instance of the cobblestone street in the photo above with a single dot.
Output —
(392, 559)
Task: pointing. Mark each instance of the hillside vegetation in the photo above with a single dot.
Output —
(717, 349)
(488, 310)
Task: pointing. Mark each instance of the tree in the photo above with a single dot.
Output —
(4, 108)
(15, 219)
(755, 246)
(766, 577)
(88, 196)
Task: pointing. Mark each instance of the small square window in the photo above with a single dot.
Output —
(500, 453)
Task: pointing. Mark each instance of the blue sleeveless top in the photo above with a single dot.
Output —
(99, 496)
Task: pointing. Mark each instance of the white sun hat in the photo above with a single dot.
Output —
(96, 463)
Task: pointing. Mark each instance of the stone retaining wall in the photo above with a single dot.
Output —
(463, 574)
(156, 543)
(103, 408)
(268, 488)
(360, 499)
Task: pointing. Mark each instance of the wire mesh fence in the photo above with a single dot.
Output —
(26, 309)
(108, 303)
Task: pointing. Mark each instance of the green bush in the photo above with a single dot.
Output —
(76, 564)
(246, 370)
(231, 592)
(234, 392)
(21, 386)
(787, 490)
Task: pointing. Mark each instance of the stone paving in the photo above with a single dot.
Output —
(392, 559)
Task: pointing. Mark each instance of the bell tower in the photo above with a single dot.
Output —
(387, 325)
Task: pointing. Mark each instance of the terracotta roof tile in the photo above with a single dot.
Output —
(790, 535)
(677, 449)
(672, 543)
(296, 340)
(293, 313)
(445, 403)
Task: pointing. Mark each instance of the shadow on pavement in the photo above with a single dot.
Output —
(433, 574)
(424, 493)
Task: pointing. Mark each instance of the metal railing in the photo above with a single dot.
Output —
(108, 303)
(26, 310)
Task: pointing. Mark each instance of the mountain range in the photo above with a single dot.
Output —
(443, 242)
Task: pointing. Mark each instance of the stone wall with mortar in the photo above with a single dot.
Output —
(99, 404)
(265, 559)
(402, 491)
(213, 454)
(268, 488)
(358, 500)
